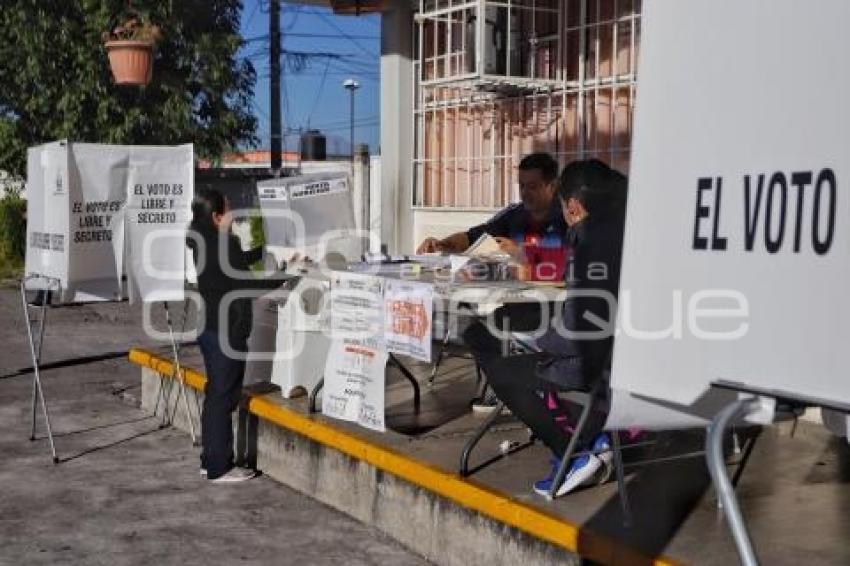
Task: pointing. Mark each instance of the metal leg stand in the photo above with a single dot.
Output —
(745, 458)
(621, 479)
(440, 354)
(178, 375)
(406, 373)
(36, 337)
(314, 395)
(725, 491)
(476, 438)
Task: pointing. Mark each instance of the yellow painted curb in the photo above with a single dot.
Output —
(464, 492)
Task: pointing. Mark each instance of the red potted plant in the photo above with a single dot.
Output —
(130, 49)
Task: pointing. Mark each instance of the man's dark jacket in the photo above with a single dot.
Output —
(579, 341)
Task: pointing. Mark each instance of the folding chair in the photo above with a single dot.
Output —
(590, 401)
(617, 404)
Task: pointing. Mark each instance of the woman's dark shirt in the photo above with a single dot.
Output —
(214, 284)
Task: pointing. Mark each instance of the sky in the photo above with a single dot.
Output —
(311, 87)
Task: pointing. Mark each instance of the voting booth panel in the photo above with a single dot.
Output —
(74, 229)
(97, 212)
(161, 187)
(98, 192)
(737, 247)
(48, 220)
(312, 215)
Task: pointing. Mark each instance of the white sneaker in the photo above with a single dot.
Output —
(582, 470)
(602, 450)
(488, 404)
(235, 475)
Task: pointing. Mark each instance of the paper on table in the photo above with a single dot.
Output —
(486, 246)
(458, 261)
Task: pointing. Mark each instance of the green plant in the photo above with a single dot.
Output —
(202, 91)
(13, 233)
(135, 26)
(258, 235)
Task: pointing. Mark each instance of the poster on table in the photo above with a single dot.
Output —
(737, 247)
(160, 191)
(355, 371)
(408, 316)
(84, 219)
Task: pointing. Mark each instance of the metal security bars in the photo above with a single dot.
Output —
(556, 76)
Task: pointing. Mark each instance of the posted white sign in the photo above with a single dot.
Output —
(737, 250)
(408, 316)
(355, 372)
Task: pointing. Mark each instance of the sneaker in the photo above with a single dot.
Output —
(602, 450)
(582, 470)
(235, 475)
(485, 405)
(203, 472)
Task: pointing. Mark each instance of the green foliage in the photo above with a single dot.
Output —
(133, 25)
(13, 233)
(258, 235)
(55, 81)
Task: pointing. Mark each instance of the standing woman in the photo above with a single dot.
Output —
(223, 268)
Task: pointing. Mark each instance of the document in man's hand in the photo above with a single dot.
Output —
(485, 247)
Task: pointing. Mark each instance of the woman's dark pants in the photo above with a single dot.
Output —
(221, 397)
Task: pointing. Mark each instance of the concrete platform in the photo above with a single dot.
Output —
(127, 493)
(794, 493)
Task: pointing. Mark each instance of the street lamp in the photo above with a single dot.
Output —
(351, 85)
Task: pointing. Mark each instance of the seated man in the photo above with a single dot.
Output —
(574, 352)
(533, 229)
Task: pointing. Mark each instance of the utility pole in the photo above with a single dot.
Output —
(274, 86)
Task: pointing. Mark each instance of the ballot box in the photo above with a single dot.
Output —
(303, 337)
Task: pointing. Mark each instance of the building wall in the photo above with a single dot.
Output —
(441, 222)
(577, 102)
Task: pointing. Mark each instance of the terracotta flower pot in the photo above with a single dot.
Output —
(131, 61)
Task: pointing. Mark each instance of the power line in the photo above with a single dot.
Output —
(319, 91)
(253, 13)
(297, 11)
(342, 32)
(265, 37)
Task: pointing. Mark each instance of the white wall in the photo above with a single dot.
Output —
(440, 223)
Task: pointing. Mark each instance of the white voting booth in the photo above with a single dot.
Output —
(104, 223)
(737, 250)
(311, 215)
